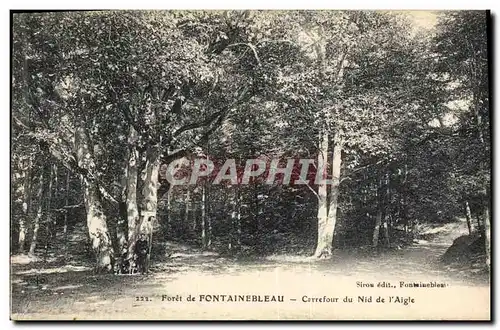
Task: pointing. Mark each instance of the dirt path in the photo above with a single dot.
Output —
(75, 293)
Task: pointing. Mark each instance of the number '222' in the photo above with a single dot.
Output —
(142, 299)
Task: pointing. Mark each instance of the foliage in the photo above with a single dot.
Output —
(240, 84)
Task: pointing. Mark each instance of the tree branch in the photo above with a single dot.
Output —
(217, 115)
(249, 45)
(199, 124)
(314, 191)
(20, 123)
(277, 41)
(69, 161)
(68, 207)
(175, 155)
(106, 195)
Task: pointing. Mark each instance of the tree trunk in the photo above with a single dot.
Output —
(25, 192)
(468, 217)
(256, 209)
(378, 219)
(486, 210)
(39, 213)
(385, 231)
(97, 226)
(208, 218)
(327, 214)
(22, 229)
(54, 219)
(479, 223)
(324, 242)
(334, 190)
(206, 206)
(48, 223)
(149, 206)
(386, 210)
(236, 220)
(166, 230)
(478, 119)
(187, 209)
(404, 201)
(121, 228)
(66, 203)
(203, 218)
(96, 219)
(487, 233)
(133, 220)
(121, 223)
(376, 230)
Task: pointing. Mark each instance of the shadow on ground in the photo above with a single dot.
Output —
(54, 276)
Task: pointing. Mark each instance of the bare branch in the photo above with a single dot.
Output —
(175, 155)
(68, 207)
(199, 124)
(277, 41)
(214, 117)
(19, 122)
(106, 195)
(314, 191)
(251, 46)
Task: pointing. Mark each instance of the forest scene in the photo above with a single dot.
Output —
(391, 109)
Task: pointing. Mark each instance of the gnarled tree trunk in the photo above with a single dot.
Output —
(121, 228)
(133, 221)
(149, 205)
(97, 227)
(150, 190)
(100, 238)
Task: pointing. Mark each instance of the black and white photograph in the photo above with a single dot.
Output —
(250, 165)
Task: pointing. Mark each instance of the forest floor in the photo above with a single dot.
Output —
(56, 289)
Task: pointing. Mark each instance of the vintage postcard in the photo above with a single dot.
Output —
(250, 165)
